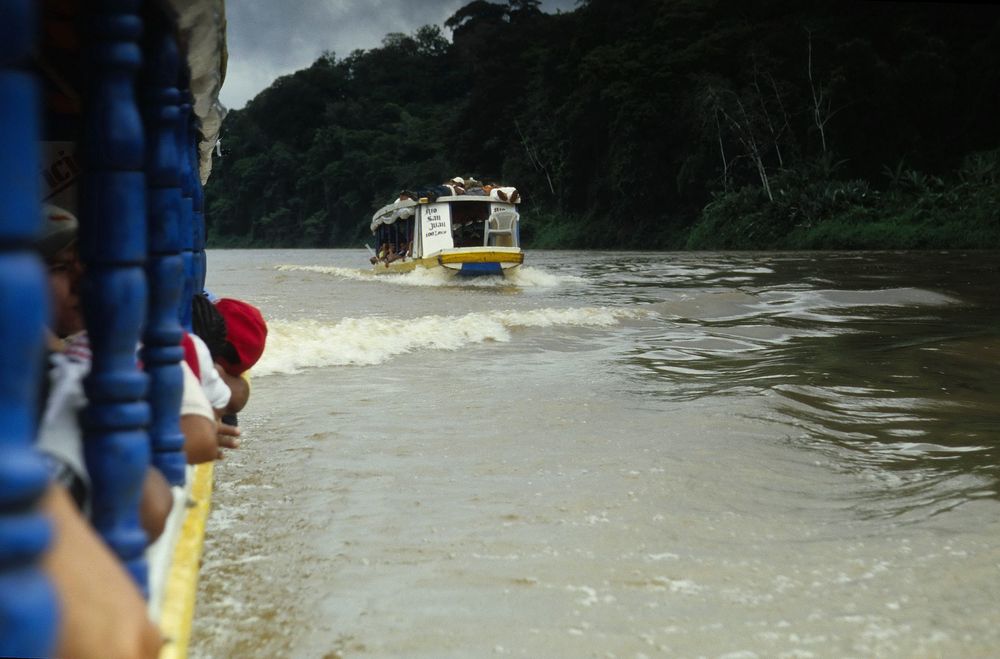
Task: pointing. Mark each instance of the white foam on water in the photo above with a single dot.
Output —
(295, 345)
(521, 277)
(527, 277)
(355, 274)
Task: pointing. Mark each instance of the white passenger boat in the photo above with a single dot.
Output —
(466, 234)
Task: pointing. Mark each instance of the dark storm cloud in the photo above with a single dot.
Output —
(270, 38)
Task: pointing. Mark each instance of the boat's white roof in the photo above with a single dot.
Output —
(472, 198)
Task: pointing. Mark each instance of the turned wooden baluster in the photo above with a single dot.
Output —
(161, 352)
(113, 248)
(27, 600)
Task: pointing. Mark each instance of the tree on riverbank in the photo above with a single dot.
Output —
(669, 124)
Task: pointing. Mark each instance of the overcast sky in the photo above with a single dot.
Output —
(269, 38)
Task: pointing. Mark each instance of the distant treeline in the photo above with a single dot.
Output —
(651, 124)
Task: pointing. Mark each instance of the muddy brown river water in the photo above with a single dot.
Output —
(613, 455)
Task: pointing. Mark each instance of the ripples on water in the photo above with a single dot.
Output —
(897, 383)
(706, 389)
(900, 378)
(522, 278)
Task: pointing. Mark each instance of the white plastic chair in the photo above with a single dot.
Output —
(501, 223)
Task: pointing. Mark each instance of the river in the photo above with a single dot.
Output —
(613, 454)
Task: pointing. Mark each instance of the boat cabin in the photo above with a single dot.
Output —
(422, 228)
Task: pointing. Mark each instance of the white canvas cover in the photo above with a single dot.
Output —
(201, 34)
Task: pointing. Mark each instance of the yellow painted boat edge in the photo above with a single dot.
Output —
(482, 257)
(181, 590)
(398, 267)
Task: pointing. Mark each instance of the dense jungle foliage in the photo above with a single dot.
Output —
(653, 124)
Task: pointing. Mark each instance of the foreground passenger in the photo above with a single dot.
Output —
(235, 333)
(102, 614)
(246, 337)
(204, 434)
(201, 362)
(60, 437)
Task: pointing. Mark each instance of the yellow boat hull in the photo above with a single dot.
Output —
(467, 261)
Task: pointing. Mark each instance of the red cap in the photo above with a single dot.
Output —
(245, 330)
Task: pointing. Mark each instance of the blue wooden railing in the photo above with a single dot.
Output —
(188, 180)
(113, 248)
(165, 268)
(27, 600)
(142, 242)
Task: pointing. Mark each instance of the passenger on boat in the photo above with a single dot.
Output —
(217, 391)
(450, 188)
(204, 434)
(102, 611)
(60, 437)
(505, 193)
(476, 189)
(246, 336)
(235, 334)
(210, 326)
(397, 253)
(455, 186)
(461, 186)
(390, 256)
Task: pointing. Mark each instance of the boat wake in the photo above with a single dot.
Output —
(522, 277)
(296, 345)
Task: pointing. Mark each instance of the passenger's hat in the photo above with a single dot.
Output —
(245, 330)
(59, 230)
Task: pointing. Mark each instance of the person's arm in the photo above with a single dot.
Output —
(198, 421)
(102, 614)
(155, 505)
(200, 443)
(239, 388)
(215, 389)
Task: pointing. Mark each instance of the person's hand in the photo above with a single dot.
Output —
(227, 436)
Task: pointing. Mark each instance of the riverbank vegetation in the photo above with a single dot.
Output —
(654, 124)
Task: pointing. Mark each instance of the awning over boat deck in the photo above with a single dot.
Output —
(201, 33)
(390, 213)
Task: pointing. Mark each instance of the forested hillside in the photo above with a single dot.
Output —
(654, 124)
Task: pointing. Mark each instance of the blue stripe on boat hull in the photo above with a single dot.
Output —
(478, 269)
